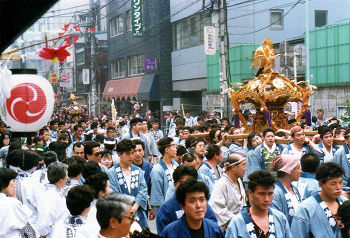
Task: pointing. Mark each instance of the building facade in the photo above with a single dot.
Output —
(139, 67)
(248, 23)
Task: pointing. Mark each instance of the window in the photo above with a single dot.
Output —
(188, 32)
(135, 65)
(80, 58)
(276, 19)
(128, 21)
(116, 26)
(321, 18)
(118, 68)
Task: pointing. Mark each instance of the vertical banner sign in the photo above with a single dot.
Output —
(209, 40)
(136, 18)
(86, 76)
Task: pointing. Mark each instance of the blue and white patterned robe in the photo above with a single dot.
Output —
(138, 189)
(311, 220)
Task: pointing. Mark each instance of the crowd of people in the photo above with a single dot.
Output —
(110, 178)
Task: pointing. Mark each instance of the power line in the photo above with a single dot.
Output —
(263, 28)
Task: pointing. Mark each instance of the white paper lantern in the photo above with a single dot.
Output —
(137, 106)
(30, 104)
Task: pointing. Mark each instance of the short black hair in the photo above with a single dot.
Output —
(180, 150)
(79, 198)
(139, 142)
(212, 151)
(50, 157)
(250, 139)
(75, 166)
(328, 171)
(106, 152)
(93, 125)
(89, 146)
(53, 122)
(190, 142)
(14, 158)
(155, 120)
(268, 129)
(188, 158)
(77, 126)
(125, 145)
(261, 178)
(190, 129)
(78, 144)
(344, 215)
(98, 182)
(212, 134)
(191, 186)
(6, 175)
(60, 149)
(309, 162)
(30, 160)
(110, 128)
(90, 168)
(323, 130)
(134, 121)
(183, 170)
(164, 143)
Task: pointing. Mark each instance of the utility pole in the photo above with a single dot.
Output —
(307, 41)
(223, 53)
(92, 94)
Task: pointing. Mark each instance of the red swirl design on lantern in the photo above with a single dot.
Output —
(27, 103)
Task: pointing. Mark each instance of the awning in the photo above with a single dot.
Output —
(149, 89)
(126, 87)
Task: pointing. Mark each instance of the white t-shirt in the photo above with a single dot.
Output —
(296, 152)
(128, 180)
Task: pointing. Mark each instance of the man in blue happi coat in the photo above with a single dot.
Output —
(316, 216)
(162, 173)
(211, 167)
(171, 211)
(308, 184)
(126, 178)
(301, 144)
(138, 160)
(326, 144)
(261, 157)
(342, 157)
(192, 196)
(259, 220)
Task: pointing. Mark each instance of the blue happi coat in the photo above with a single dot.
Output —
(161, 179)
(179, 229)
(256, 160)
(342, 157)
(241, 226)
(282, 200)
(201, 177)
(314, 219)
(171, 211)
(147, 168)
(206, 170)
(307, 185)
(138, 189)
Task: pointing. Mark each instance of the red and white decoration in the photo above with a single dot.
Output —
(30, 103)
